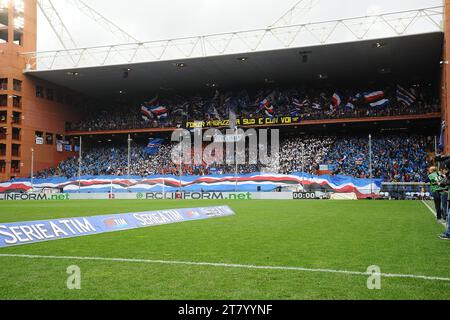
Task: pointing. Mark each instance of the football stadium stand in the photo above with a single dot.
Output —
(395, 159)
(304, 103)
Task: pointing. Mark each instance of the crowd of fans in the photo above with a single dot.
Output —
(304, 154)
(304, 103)
(395, 159)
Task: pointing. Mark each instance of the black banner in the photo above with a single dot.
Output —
(244, 122)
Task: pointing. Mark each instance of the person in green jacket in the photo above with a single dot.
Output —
(435, 179)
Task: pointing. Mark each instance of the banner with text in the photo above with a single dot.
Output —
(244, 122)
(255, 182)
(20, 233)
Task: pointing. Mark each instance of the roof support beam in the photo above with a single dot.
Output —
(411, 22)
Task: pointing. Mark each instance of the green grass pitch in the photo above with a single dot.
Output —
(400, 237)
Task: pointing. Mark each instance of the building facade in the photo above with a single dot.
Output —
(32, 113)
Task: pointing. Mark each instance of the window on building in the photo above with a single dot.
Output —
(17, 101)
(50, 94)
(39, 136)
(17, 85)
(3, 117)
(17, 118)
(16, 134)
(3, 132)
(3, 83)
(15, 150)
(59, 98)
(3, 100)
(2, 150)
(39, 92)
(15, 166)
(49, 138)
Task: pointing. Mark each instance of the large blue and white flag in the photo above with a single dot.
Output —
(373, 96)
(153, 146)
(146, 113)
(380, 104)
(442, 137)
(404, 96)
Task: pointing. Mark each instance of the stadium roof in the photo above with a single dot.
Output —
(407, 56)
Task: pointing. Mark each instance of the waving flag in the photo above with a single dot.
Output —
(213, 113)
(153, 146)
(265, 104)
(152, 102)
(179, 111)
(442, 137)
(267, 107)
(350, 106)
(300, 104)
(295, 113)
(269, 111)
(336, 100)
(404, 96)
(158, 110)
(374, 96)
(380, 104)
(296, 103)
(317, 106)
(146, 113)
(269, 115)
(163, 117)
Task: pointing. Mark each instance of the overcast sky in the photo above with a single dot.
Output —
(163, 19)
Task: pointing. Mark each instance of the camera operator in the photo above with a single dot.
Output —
(435, 178)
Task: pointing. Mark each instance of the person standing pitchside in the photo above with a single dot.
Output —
(435, 179)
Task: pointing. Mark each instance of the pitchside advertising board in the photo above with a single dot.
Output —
(304, 195)
(162, 196)
(21, 233)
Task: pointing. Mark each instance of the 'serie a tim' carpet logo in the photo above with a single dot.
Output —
(193, 214)
(116, 223)
(22, 232)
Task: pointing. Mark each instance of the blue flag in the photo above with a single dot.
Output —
(153, 146)
(442, 138)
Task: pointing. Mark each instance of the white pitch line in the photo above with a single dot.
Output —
(433, 212)
(226, 265)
